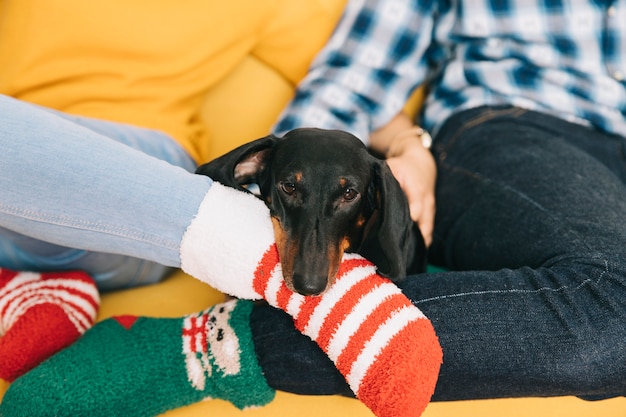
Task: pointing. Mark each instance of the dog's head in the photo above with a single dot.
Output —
(327, 195)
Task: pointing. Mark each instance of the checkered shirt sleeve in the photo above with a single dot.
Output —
(561, 57)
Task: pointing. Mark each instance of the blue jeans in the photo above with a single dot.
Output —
(78, 193)
(531, 223)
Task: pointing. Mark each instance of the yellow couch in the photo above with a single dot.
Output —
(242, 107)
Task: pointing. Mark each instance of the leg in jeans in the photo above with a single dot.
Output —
(542, 218)
(530, 217)
(71, 162)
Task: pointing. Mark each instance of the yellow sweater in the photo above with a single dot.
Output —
(148, 62)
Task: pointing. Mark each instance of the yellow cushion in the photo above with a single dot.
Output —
(244, 105)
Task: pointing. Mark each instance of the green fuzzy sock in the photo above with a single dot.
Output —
(138, 366)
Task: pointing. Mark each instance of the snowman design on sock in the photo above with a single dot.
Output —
(210, 344)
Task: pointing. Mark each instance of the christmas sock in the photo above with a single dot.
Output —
(40, 314)
(381, 343)
(139, 366)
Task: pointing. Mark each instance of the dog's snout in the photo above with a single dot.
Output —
(307, 285)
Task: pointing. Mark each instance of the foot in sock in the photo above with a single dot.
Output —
(139, 366)
(40, 314)
(380, 342)
(384, 346)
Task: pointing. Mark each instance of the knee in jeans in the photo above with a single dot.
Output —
(593, 357)
(597, 370)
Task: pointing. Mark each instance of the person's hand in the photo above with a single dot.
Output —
(413, 165)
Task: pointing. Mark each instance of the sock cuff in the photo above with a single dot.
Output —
(226, 240)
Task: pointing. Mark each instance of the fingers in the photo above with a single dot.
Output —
(412, 164)
(415, 170)
(425, 219)
(421, 200)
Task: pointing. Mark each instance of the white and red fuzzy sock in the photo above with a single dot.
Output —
(380, 342)
(40, 314)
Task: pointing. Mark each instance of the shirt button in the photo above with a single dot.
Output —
(618, 75)
(611, 11)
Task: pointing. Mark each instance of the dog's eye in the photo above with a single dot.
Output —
(288, 187)
(349, 194)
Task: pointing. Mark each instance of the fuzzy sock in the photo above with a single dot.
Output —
(380, 342)
(139, 366)
(40, 314)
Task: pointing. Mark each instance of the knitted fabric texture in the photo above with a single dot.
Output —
(138, 366)
(40, 314)
(381, 343)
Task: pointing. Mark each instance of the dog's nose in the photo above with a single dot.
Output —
(309, 286)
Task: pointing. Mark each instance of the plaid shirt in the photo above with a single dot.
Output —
(562, 57)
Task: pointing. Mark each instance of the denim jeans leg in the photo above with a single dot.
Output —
(77, 195)
(532, 226)
(110, 271)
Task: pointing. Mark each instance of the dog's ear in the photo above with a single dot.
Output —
(242, 165)
(392, 241)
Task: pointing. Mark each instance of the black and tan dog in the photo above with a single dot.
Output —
(327, 195)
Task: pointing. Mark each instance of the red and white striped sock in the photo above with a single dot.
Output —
(380, 342)
(40, 314)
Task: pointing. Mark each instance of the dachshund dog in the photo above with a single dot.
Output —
(327, 195)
